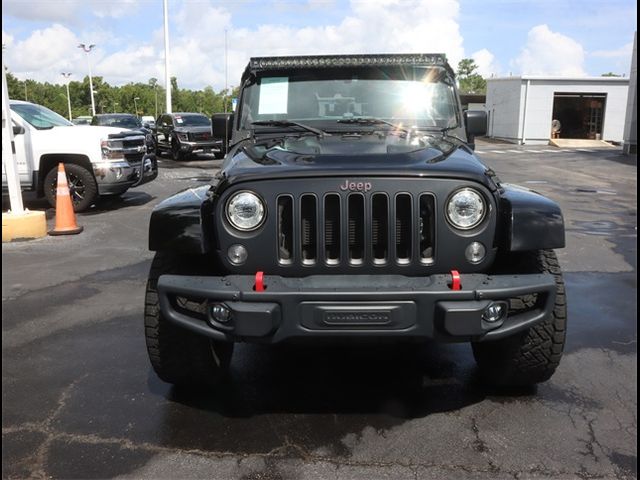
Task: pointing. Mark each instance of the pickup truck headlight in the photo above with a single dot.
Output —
(183, 137)
(245, 211)
(111, 150)
(466, 208)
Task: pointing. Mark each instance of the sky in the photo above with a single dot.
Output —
(504, 37)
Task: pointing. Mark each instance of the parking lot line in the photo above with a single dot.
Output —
(514, 151)
(497, 151)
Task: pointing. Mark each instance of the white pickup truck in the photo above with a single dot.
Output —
(98, 160)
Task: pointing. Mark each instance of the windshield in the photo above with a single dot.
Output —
(39, 117)
(124, 121)
(192, 121)
(414, 97)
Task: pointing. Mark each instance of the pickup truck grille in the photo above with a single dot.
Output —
(200, 136)
(356, 229)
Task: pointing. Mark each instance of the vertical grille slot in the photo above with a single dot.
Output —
(356, 229)
(308, 229)
(426, 228)
(403, 228)
(285, 229)
(332, 229)
(380, 228)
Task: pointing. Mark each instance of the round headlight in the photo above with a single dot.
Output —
(466, 209)
(245, 211)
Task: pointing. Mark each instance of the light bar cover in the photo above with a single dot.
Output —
(418, 59)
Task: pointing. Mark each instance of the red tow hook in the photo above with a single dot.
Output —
(259, 286)
(455, 280)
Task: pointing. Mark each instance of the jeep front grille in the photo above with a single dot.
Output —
(356, 229)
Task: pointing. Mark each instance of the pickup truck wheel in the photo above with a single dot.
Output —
(82, 186)
(531, 356)
(176, 154)
(177, 355)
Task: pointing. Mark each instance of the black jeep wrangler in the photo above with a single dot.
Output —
(350, 205)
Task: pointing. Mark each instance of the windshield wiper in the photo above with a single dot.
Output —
(371, 121)
(444, 131)
(289, 123)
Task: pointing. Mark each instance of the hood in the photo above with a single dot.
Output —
(336, 156)
(88, 130)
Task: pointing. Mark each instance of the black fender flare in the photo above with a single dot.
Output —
(529, 221)
(183, 222)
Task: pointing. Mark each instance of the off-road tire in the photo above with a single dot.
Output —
(87, 191)
(176, 154)
(531, 356)
(177, 355)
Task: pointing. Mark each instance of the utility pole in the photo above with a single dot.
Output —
(167, 75)
(87, 50)
(66, 76)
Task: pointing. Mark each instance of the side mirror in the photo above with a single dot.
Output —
(221, 128)
(476, 122)
(147, 125)
(18, 130)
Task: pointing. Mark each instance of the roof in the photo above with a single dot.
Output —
(258, 64)
(564, 79)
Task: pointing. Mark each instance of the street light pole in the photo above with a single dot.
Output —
(167, 75)
(136, 104)
(86, 50)
(66, 76)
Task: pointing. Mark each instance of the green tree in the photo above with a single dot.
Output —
(469, 81)
(610, 74)
(121, 98)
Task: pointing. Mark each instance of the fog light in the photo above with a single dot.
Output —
(221, 313)
(237, 254)
(475, 252)
(495, 312)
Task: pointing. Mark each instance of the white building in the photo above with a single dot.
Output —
(522, 109)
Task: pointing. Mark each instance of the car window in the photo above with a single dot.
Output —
(192, 120)
(40, 117)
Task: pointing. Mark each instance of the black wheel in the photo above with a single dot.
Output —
(82, 186)
(177, 355)
(533, 355)
(159, 151)
(176, 154)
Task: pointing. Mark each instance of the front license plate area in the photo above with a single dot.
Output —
(358, 315)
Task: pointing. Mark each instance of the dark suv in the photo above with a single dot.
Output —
(184, 134)
(350, 205)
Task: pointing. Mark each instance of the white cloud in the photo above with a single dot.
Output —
(625, 51)
(381, 26)
(197, 42)
(486, 62)
(115, 9)
(45, 50)
(66, 11)
(550, 53)
(52, 11)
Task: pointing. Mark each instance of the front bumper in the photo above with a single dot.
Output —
(353, 306)
(199, 147)
(114, 178)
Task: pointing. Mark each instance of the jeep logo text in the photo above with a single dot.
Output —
(355, 186)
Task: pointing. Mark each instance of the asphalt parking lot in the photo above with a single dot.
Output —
(80, 399)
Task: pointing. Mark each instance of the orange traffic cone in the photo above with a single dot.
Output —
(65, 216)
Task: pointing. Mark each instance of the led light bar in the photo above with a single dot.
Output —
(418, 59)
